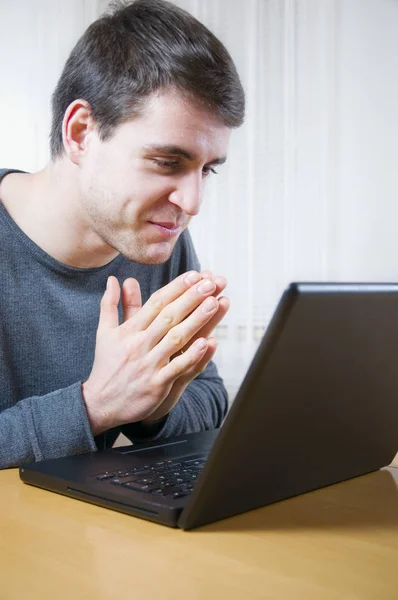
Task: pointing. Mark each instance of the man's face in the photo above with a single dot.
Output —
(140, 188)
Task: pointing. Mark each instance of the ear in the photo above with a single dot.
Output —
(77, 126)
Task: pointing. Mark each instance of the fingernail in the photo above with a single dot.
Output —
(108, 283)
(206, 286)
(201, 344)
(192, 277)
(209, 304)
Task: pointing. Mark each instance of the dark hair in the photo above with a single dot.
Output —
(137, 49)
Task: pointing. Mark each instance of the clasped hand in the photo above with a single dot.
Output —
(142, 366)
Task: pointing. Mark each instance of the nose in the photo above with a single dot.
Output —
(188, 193)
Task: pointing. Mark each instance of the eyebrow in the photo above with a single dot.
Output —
(178, 151)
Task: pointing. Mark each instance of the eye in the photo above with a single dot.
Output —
(166, 164)
(207, 170)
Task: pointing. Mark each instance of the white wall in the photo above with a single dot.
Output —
(35, 40)
(310, 189)
(368, 124)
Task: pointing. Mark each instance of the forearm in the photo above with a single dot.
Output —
(44, 427)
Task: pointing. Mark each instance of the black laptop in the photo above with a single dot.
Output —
(318, 405)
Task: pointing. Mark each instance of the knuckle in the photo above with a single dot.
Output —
(131, 351)
(158, 391)
(167, 318)
(131, 303)
(134, 345)
(175, 338)
(156, 302)
(104, 302)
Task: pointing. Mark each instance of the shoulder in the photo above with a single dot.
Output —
(4, 172)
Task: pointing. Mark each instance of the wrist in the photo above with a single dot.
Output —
(94, 416)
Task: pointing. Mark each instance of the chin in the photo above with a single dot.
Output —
(152, 260)
(152, 254)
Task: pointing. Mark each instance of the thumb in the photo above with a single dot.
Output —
(131, 298)
(109, 316)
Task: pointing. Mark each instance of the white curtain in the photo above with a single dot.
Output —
(309, 191)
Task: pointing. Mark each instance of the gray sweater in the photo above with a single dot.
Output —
(48, 320)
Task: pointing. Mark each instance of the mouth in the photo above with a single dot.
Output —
(168, 229)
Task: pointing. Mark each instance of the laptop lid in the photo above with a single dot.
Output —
(318, 405)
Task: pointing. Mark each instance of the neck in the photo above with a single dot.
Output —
(45, 205)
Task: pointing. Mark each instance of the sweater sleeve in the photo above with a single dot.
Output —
(43, 427)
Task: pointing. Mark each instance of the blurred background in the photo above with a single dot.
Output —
(310, 189)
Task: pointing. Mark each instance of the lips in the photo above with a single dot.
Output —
(166, 229)
(166, 224)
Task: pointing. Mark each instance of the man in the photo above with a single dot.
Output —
(142, 114)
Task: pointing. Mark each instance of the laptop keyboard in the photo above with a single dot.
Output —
(173, 478)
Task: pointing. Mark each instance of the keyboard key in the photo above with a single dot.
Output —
(106, 475)
(139, 487)
(181, 494)
(145, 480)
(195, 462)
(137, 470)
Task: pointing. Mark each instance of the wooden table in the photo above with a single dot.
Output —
(337, 543)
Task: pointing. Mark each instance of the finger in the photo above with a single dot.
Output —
(219, 280)
(208, 328)
(221, 284)
(109, 316)
(223, 308)
(183, 372)
(212, 344)
(184, 363)
(162, 298)
(179, 336)
(180, 309)
(206, 274)
(131, 298)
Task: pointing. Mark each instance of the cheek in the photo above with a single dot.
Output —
(107, 181)
(149, 189)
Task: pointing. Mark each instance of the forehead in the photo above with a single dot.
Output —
(170, 119)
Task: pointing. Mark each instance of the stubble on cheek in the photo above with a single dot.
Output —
(121, 226)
